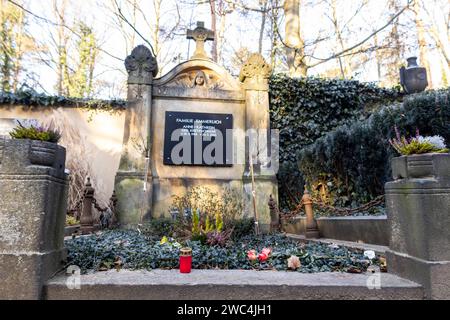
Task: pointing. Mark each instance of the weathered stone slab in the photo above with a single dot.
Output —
(231, 285)
(433, 275)
(135, 201)
(33, 196)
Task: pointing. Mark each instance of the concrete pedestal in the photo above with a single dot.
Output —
(33, 203)
(418, 207)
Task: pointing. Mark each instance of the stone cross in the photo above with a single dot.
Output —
(200, 35)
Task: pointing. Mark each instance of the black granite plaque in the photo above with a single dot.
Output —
(198, 139)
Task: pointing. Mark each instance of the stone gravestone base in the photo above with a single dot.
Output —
(135, 202)
(33, 196)
(418, 206)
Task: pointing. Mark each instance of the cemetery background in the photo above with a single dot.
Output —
(361, 108)
(88, 70)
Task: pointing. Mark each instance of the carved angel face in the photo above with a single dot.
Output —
(200, 79)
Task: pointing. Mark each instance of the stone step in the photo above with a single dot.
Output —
(232, 284)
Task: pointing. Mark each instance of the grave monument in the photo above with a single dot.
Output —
(195, 126)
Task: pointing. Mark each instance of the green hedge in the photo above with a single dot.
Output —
(353, 161)
(304, 109)
(30, 98)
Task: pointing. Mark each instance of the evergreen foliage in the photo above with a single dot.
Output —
(353, 161)
(305, 109)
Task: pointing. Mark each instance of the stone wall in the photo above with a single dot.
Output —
(371, 230)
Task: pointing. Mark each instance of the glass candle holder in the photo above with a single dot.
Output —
(185, 260)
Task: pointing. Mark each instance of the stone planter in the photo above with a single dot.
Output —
(421, 166)
(43, 153)
(23, 154)
(33, 202)
(418, 207)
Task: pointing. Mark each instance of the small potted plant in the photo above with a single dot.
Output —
(419, 156)
(43, 142)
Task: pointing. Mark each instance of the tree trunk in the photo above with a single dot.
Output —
(6, 47)
(134, 21)
(274, 42)
(263, 24)
(220, 34)
(157, 27)
(62, 69)
(212, 4)
(295, 50)
(377, 58)
(19, 52)
(396, 47)
(444, 72)
(421, 38)
(344, 63)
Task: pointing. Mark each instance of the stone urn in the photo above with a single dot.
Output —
(413, 78)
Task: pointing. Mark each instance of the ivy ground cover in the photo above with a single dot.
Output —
(133, 250)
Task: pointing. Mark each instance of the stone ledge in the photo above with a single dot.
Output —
(70, 230)
(27, 272)
(432, 275)
(350, 244)
(230, 284)
(367, 229)
(227, 96)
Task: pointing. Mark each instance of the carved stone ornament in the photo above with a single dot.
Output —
(200, 35)
(198, 79)
(141, 66)
(255, 69)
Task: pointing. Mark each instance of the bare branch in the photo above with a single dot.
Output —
(121, 15)
(48, 21)
(360, 43)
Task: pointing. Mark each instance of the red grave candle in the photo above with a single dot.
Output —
(185, 260)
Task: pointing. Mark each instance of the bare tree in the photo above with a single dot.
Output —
(421, 39)
(274, 48)
(212, 6)
(62, 40)
(300, 62)
(219, 10)
(263, 4)
(437, 27)
(295, 44)
(159, 33)
(15, 43)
